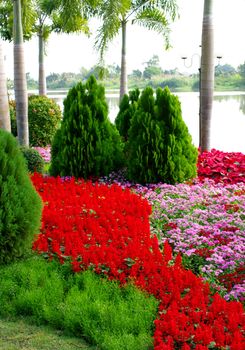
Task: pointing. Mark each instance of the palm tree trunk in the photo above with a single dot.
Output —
(4, 104)
(20, 86)
(123, 77)
(42, 77)
(207, 75)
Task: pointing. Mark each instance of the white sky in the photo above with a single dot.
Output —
(68, 53)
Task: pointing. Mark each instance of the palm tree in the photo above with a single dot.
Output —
(4, 104)
(56, 16)
(20, 86)
(11, 27)
(42, 17)
(207, 75)
(115, 15)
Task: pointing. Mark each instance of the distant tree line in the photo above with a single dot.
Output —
(226, 77)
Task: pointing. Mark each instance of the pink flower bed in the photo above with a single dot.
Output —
(45, 152)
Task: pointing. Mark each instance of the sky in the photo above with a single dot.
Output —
(68, 53)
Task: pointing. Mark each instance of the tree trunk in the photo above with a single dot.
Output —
(207, 75)
(42, 77)
(123, 77)
(4, 103)
(20, 87)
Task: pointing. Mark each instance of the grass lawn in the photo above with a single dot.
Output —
(18, 334)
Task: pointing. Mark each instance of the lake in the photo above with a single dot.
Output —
(228, 117)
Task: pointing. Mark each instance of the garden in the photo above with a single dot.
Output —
(142, 253)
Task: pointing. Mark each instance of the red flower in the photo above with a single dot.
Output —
(221, 166)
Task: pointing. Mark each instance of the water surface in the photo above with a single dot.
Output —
(228, 116)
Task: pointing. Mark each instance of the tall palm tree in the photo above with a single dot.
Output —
(207, 75)
(20, 86)
(11, 27)
(56, 16)
(42, 17)
(4, 104)
(115, 14)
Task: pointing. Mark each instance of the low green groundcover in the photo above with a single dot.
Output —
(81, 304)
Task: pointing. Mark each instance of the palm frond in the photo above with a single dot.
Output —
(169, 7)
(47, 6)
(28, 11)
(154, 19)
(106, 33)
(29, 16)
(70, 16)
(70, 24)
(113, 7)
(46, 32)
(112, 13)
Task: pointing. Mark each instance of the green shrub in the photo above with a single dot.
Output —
(20, 205)
(175, 83)
(12, 112)
(83, 304)
(159, 146)
(87, 144)
(34, 160)
(127, 108)
(56, 160)
(44, 117)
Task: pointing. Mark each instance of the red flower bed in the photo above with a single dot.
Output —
(222, 166)
(107, 228)
(90, 224)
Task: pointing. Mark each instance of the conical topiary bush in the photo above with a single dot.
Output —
(159, 146)
(20, 205)
(127, 108)
(87, 144)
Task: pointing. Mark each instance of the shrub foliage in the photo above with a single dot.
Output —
(44, 117)
(159, 144)
(87, 144)
(12, 112)
(34, 160)
(20, 205)
(127, 108)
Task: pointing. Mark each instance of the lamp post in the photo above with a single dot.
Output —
(219, 58)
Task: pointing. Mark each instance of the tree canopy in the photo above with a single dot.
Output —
(115, 14)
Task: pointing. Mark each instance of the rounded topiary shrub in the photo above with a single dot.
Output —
(20, 205)
(160, 147)
(127, 108)
(44, 117)
(34, 160)
(87, 144)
